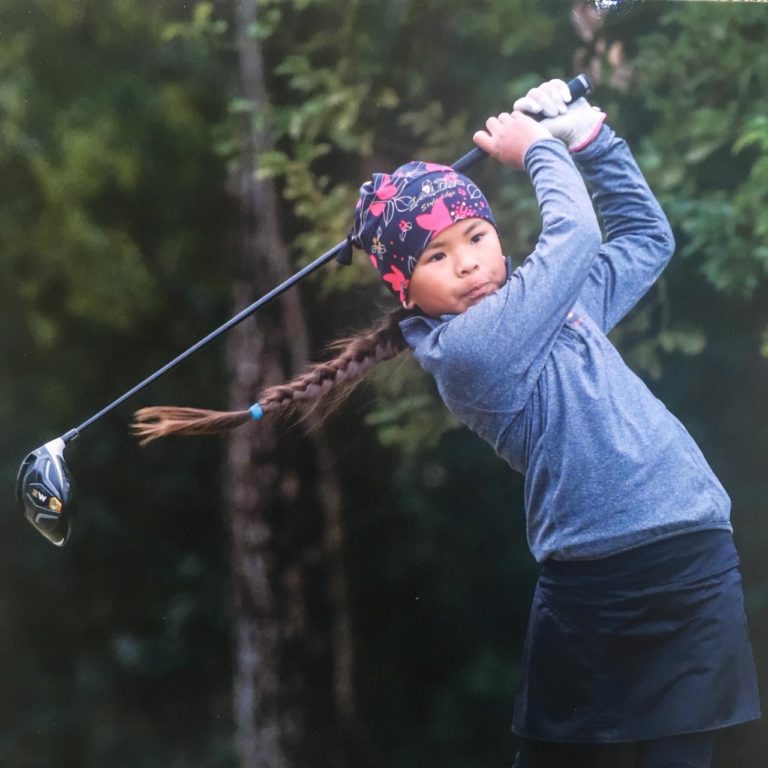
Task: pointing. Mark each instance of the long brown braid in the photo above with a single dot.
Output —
(323, 386)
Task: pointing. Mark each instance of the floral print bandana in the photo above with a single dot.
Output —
(398, 214)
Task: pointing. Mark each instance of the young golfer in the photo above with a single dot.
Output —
(637, 650)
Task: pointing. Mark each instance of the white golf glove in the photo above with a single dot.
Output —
(576, 124)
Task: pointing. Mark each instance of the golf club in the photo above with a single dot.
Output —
(44, 487)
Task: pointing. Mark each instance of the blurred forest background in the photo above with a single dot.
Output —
(356, 595)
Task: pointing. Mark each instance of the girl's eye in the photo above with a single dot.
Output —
(439, 256)
(477, 237)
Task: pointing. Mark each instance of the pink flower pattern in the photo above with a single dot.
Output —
(399, 213)
(398, 282)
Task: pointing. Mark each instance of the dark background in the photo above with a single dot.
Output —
(116, 140)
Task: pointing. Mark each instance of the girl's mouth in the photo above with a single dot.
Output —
(477, 291)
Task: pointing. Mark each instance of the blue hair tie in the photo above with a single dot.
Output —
(256, 411)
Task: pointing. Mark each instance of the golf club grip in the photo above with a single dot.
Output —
(578, 87)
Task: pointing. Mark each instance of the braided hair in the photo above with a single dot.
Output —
(396, 216)
(324, 386)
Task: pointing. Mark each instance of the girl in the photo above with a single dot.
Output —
(637, 649)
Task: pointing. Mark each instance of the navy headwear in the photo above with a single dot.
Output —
(398, 214)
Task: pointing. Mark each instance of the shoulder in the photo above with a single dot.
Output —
(461, 339)
(416, 327)
(424, 335)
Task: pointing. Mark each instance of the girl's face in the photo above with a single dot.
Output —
(460, 266)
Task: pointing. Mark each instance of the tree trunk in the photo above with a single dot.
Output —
(263, 492)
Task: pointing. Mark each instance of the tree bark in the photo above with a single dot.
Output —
(262, 490)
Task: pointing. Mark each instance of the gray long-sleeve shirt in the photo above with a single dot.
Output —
(529, 368)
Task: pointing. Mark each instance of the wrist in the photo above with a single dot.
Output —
(582, 142)
(597, 149)
(543, 145)
(535, 142)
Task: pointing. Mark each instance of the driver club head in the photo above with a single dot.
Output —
(45, 491)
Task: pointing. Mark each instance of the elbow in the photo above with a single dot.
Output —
(665, 240)
(670, 240)
(594, 238)
(588, 227)
(653, 235)
(591, 236)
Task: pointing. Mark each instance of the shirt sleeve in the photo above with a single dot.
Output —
(481, 357)
(638, 239)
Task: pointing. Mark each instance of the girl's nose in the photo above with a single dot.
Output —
(466, 261)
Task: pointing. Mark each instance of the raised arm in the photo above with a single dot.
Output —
(639, 242)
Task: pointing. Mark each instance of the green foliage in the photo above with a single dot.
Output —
(117, 121)
(409, 418)
(111, 206)
(711, 136)
(70, 257)
(764, 344)
(77, 151)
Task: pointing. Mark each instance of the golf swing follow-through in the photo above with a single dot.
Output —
(44, 486)
(637, 651)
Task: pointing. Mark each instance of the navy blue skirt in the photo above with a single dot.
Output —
(649, 643)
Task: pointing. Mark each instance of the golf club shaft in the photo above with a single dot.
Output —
(231, 323)
(578, 86)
